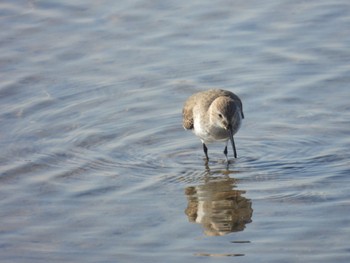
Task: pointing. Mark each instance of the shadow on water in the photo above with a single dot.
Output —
(218, 205)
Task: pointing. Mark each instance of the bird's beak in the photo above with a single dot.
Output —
(229, 128)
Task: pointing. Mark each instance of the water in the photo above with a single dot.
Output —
(94, 163)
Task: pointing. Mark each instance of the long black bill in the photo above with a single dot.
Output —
(232, 142)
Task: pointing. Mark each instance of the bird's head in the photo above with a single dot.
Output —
(222, 112)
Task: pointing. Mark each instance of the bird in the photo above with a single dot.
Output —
(213, 115)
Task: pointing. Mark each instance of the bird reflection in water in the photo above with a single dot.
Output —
(218, 207)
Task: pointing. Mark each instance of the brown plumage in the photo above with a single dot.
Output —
(213, 115)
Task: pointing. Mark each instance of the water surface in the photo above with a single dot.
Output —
(96, 167)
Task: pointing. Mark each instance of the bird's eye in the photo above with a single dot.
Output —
(220, 116)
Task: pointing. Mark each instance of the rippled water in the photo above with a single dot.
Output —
(96, 167)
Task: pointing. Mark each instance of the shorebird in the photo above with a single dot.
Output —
(213, 115)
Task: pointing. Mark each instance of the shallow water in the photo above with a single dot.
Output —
(96, 167)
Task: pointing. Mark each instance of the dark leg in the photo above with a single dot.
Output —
(205, 149)
(225, 152)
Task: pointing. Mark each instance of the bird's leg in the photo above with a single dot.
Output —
(205, 149)
(225, 152)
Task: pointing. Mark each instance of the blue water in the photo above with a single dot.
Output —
(96, 167)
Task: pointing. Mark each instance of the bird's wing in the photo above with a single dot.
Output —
(187, 113)
(196, 100)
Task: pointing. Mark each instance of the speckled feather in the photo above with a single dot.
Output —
(205, 98)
